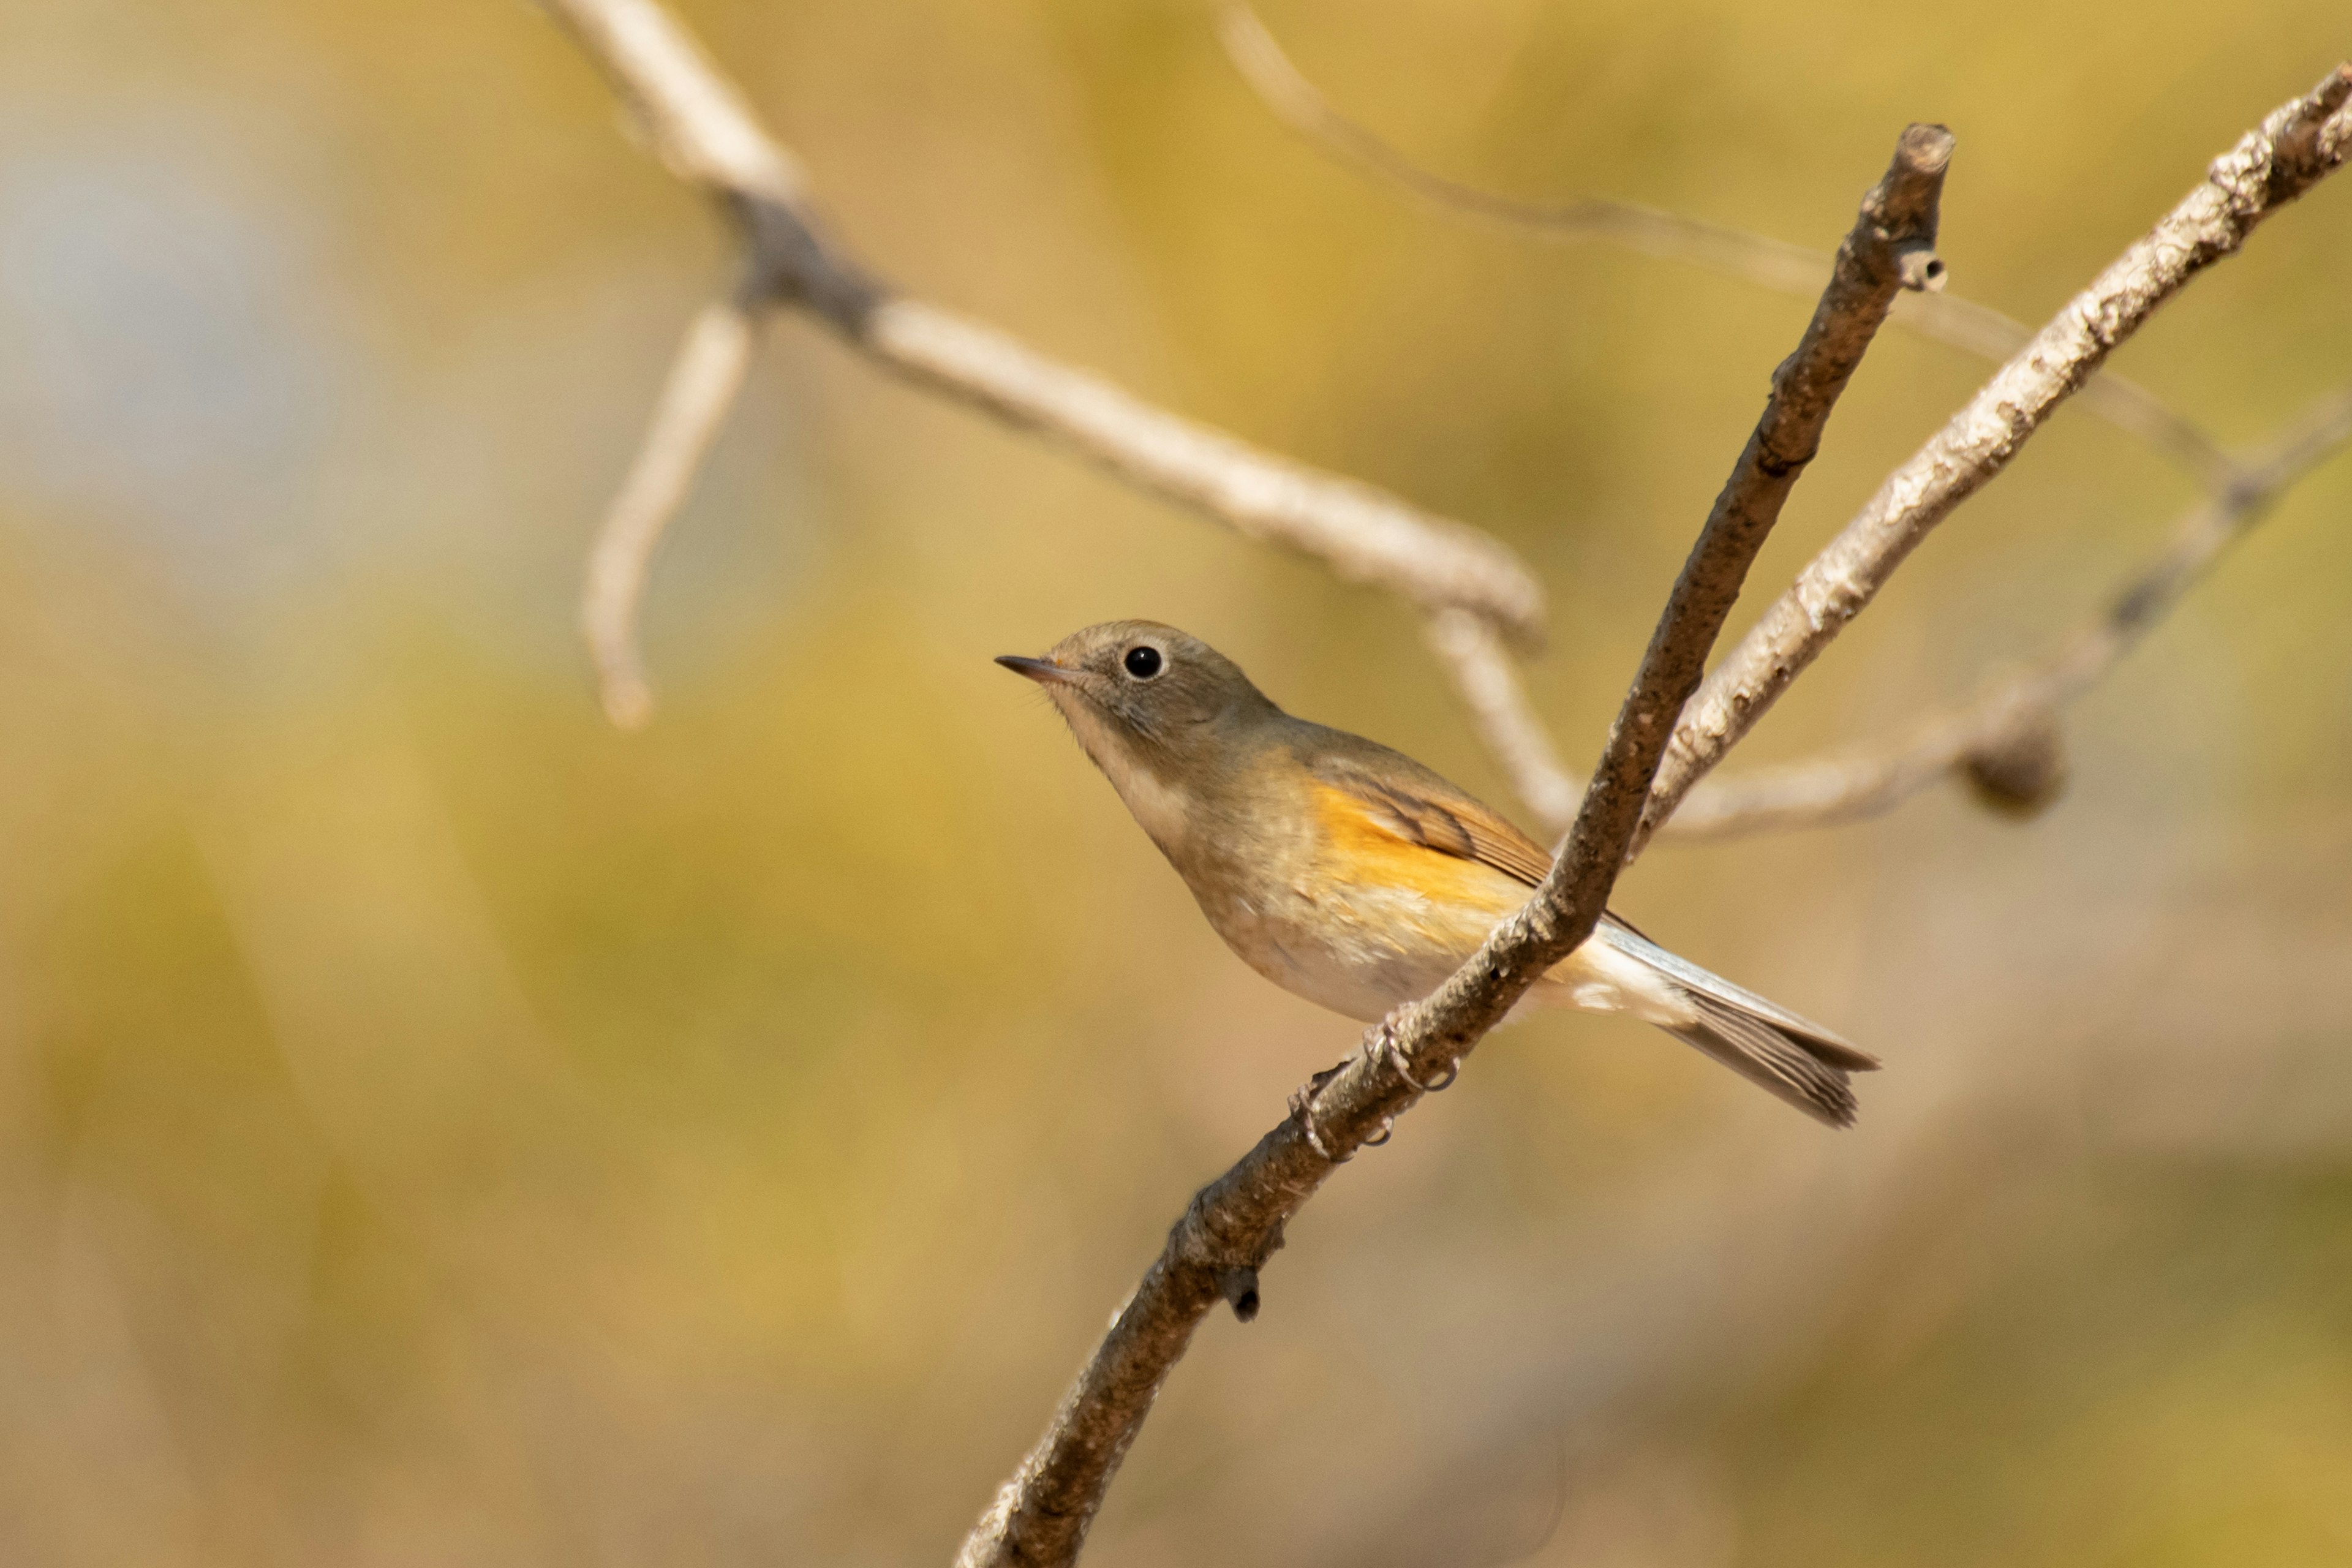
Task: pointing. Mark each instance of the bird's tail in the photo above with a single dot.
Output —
(1794, 1057)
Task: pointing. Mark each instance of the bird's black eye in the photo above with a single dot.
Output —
(1143, 661)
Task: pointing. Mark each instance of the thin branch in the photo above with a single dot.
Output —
(2292, 150)
(706, 135)
(1363, 534)
(1770, 263)
(2005, 740)
(702, 386)
(1514, 734)
(701, 127)
(1233, 1225)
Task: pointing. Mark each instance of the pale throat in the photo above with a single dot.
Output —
(1163, 810)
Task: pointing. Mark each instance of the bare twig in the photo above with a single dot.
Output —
(2279, 159)
(1468, 650)
(699, 125)
(1770, 263)
(702, 388)
(1233, 1225)
(2005, 740)
(1363, 534)
(706, 135)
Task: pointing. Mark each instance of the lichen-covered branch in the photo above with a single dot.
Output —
(2292, 150)
(1770, 263)
(704, 133)
(1215, 1252)
(2005, 741)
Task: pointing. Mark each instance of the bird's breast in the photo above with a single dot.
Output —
(1347, 916)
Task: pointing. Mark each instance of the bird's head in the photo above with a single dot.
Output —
(1161, 713)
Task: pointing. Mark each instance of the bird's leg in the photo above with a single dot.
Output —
(1386, 1044)
(1302, 1111)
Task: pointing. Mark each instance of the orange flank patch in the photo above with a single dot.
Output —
(1364, 850)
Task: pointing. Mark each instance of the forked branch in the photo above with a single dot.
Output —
(2290, 151)
(2005, 740)
(706, 135)
(2002, 748)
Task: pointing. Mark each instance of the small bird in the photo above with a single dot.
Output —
(1352, 876)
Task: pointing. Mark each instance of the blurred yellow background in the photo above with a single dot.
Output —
(437, 1129)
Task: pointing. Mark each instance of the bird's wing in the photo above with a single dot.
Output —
(1424, 808)
(1404, 803)
(1421, 809)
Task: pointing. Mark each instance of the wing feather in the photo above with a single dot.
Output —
(1421, 808)
(1793, 1056)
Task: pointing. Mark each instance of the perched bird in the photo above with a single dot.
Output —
(1352, 876)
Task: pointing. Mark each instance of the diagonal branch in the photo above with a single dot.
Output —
(2005, 740)
(706, 135)
(1233, 1225)
(2292, 150)
(1770, 263)
(1362, 533)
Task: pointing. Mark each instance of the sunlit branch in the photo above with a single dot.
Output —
(2005, 741)
(699, 125)
(1770, 263)
(2292, 150)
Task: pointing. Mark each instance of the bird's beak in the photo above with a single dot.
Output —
(1043, 671)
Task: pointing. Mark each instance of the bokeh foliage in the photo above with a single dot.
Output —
(434, 1127)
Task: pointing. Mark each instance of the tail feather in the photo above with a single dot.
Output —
(1793, 1056)
(1764, 1053)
